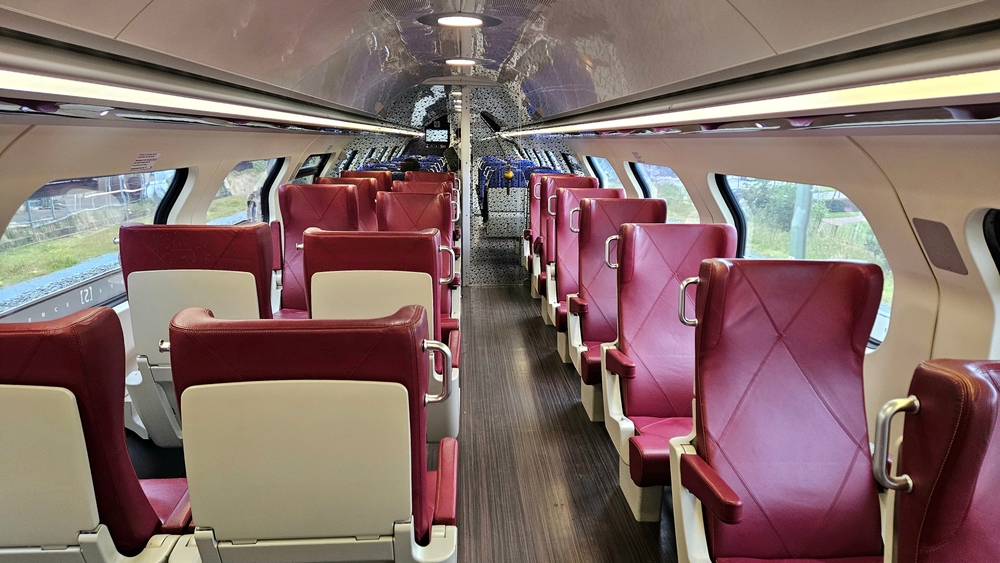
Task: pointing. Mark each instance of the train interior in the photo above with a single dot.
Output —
(499, 280)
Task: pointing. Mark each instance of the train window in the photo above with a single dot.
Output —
(238, 199)
(345, 162)
(787, 220)
(58, 255)
(661, 182)
(573, 163)
(310, 169)
(553, 161)
(605, 172)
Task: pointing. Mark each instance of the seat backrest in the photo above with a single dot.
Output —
(779, 392)
(382, 177)
(535, 219)
(548, 222)
(411, 251)
(421, 176)
(366, 190)
(83, 353)
(304, 206)
(236, 248)
(600, 219)
(567, 248)
(325, 418)
(653, 260)
(421, 187)
(951, 451)
(416, 212)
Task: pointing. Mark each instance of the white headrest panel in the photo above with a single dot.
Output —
(155, 296)
(46, 490)
(271, 460)
(371, 294)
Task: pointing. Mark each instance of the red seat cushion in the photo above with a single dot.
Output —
(590, 363)
(168, 497)
(448, 324)
(291, 314)
(649, 451)
(824, 560)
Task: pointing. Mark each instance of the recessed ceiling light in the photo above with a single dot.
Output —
(456, 93)
(460, 21)
(460, 62)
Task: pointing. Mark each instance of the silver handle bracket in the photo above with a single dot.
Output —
(682, 302)
(883, 428)
(446, 380)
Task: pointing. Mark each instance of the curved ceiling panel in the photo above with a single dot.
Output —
(558, 55)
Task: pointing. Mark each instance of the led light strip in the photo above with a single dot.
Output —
(65, 88)
(923, 89)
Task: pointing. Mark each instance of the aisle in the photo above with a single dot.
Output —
(538, 481)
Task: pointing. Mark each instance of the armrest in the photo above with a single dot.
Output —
(277, 261)
(712, 490)
(578, 306)
(539, 247)
(526, 235)
(458, 251)
(456, 235)
(446, 501)
(457, 282)
(455, 344)
(179, 519)
(619, 364)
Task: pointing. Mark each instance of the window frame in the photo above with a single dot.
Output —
(601, 180)
(314, 171)
(269, 183)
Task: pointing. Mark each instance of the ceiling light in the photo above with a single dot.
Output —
(460, 21)
(921, 90)
(460, 62)
(21, 82)
(456, 93)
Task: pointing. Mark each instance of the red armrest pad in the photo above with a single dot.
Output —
(526, 235)
(276, 258)
(456, 235)
(458, 251)
(577, 306)
(540, 247)
(179, 519)
(620, 364)
(712, 490)
(455, 344)
(446, 503)
(457, 282)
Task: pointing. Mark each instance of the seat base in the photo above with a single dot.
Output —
(562, 345)
(545, 313)
(645, 502)
(592, 398)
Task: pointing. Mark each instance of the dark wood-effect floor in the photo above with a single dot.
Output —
(538, 482)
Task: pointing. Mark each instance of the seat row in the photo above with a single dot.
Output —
(739, 383)
(248, 272)
(305, 440)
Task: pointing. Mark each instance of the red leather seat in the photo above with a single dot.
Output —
(545, 246)
(84, 353)
(597, 305)
(383, 178)
(532, 235)
(951, 452)
(240, 248)
(386, 350)
(416, 212)
(783, 465)
(304, 206)
(366, 190)
(410, 187)
(567, 250)
(421, 176)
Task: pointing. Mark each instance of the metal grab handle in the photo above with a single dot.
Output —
(299, 246)
(164, 346)
(572, 211)
(446, 382)
(880, 458)
(549, 206)
(537, 194)
(682, 302)
(607, 252)
(456, 215)
(451, 276)
(116, 241)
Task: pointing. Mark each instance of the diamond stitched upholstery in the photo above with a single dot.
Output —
(566, 244)
(653, 261)
(366, 190)
(207, 351)
(411, 187)
(303, 206)
(410, 251)
(600, 219)
(382, 178)
(416, 212)
(85, 354)
(952, 453)
(547, 221)
(535, 223)
(239, 248)
(780, 346)
(422, 176)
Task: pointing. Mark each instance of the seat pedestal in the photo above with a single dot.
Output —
(645, 502)
(565, 350)
(592, 398)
